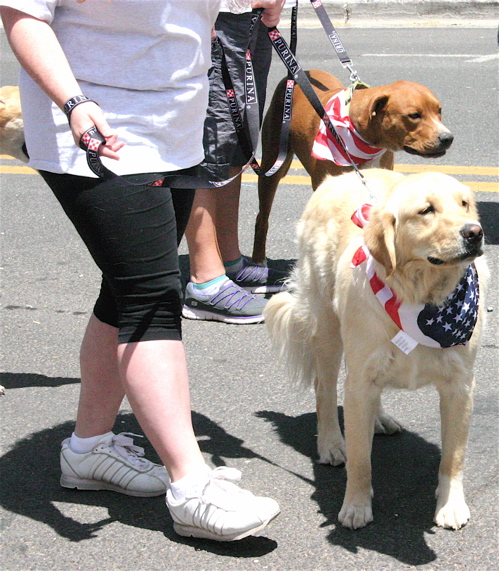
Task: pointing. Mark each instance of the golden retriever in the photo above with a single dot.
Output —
(421, 239)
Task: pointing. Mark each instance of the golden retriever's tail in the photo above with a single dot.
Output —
(290, 334)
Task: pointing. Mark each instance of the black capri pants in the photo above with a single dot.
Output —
(132, 232)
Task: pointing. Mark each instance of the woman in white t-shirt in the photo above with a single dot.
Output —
(137, 70)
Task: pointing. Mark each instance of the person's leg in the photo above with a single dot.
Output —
(204, 255)
(154, 374)
(101, 390)
(211, 295)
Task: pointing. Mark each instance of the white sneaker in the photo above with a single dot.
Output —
(114, 464)
(220, 510)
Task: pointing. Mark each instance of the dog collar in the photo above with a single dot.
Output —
(326, 147)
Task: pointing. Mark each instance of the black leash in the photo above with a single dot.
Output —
(334, 38)
(288, 100)
(300, 77)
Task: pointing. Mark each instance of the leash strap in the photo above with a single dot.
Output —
(300, 77)
(288, 101)
(334, 38)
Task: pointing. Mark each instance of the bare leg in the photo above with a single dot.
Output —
(201, 234)
(101, 391)
(154, 374)
(227, 218)
(212, 231)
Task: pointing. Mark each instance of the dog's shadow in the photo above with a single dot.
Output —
(30, 473)
(405, 469)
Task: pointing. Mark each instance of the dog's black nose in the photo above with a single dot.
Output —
(445, 139)
(472, 233)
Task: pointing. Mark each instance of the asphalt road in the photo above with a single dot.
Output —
(245, 411)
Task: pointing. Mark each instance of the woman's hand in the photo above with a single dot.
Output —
(271, 11)
(87, 114)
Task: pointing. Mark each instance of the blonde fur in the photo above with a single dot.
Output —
(330, 310)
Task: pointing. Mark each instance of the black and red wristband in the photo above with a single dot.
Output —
(73, 102)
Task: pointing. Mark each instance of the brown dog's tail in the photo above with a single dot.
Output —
(290, 335)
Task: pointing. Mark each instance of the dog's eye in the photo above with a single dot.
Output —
(465, 204)
(428, 210)
(415, 116)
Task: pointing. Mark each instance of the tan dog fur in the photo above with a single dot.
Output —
(11, 123)
(400, 116)
(331, 309)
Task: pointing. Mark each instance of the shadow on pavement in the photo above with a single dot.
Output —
(24, 380)
(30, 473)
(405, 469)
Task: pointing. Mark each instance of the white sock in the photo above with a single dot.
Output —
(180, 487)
(84, 445)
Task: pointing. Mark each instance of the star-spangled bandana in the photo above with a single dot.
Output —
(326, 147)
(446, 325)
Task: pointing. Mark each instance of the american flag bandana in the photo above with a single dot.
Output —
(326, 147)
(440, 326)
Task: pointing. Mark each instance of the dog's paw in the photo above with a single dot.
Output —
(2, 390)
(355, 516)
(386, 424)
(454, 514)
(332, 453)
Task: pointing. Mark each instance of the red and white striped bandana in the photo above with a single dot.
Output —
(326, 147)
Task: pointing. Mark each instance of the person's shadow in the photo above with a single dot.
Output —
(30, 474)
(405, 469)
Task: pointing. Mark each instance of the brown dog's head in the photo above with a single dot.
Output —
(427, 223)
(402, 116)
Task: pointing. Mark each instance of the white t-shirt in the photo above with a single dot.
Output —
(145, 62)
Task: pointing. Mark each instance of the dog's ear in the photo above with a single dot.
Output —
(379, 237)
(370, 115)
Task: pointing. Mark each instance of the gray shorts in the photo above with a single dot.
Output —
(220, 141)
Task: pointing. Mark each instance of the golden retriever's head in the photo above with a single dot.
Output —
(426, 221)
(405, 116)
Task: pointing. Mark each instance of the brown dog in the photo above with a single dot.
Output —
(11, 123)
(400, 116)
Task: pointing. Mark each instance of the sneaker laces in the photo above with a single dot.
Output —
(125, 447)
(221, 491)
(253, 273)
(233, 296)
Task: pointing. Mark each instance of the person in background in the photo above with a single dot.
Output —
(137, 70)
(223, 281)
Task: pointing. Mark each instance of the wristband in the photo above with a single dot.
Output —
(73, 102)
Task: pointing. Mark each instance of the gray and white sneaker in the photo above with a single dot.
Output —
(114, 464)
(230, 304)
(218, 509)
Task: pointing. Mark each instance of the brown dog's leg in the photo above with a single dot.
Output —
(267, 187)
(456, 404)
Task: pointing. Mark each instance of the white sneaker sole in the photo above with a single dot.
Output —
(97, 485)
(262, 289)
(203, 315)
(199, 532)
